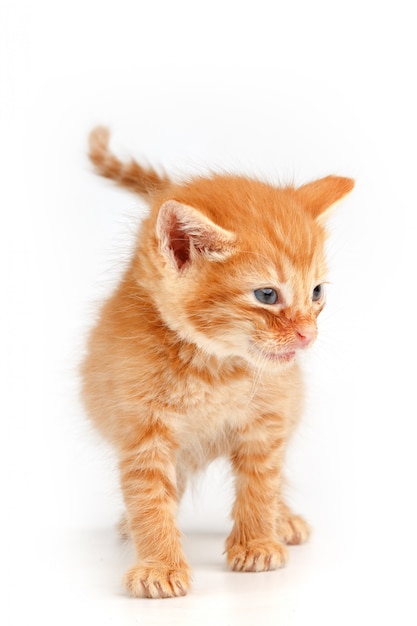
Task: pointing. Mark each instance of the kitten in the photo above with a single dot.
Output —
(194, 356)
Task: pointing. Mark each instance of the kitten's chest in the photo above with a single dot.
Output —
(208, 410)
(211, 406)
(206, 416)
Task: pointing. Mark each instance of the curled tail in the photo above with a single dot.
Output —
(130, 174)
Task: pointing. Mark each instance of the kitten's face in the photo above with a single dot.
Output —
(259, 306)
(267, 312)
(249, 283)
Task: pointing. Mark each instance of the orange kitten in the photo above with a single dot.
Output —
(194, 356)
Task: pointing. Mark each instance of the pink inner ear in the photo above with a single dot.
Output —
(179, 242)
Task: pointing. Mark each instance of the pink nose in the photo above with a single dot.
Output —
(305, 335)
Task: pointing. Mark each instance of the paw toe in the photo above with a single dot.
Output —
(254, 557)
(155, 581)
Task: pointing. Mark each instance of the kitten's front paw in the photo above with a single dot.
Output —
(293, 530)
(257, 556)
(157, 581)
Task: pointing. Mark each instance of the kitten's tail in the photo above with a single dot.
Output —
(130, 174)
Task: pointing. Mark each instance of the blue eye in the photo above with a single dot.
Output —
(317, 293)
(266, 296)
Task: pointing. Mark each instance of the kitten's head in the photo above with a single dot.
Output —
(240, 267)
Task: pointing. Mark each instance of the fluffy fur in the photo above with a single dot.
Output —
(185, 364)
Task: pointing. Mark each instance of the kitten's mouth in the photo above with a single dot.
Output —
(276, 357)
(280, 357)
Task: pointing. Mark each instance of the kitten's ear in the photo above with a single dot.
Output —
(319, 195)
(184, 234)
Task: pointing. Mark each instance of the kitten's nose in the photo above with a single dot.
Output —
(306, 334)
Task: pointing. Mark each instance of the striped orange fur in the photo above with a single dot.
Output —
(194, 356)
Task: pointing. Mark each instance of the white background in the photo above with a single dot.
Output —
(286, 91)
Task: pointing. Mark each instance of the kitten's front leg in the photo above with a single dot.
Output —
(253, 545)
(148, 482)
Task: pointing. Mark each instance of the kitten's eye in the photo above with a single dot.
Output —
(317, 293)
(266, 296)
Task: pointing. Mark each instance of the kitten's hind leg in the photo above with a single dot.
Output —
(123, 528)
(292, 529)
